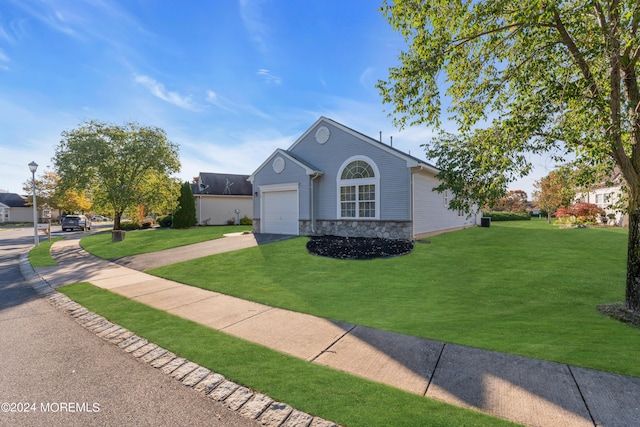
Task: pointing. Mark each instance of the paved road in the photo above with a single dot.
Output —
(51, 366)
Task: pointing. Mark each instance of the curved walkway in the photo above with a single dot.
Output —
(528, 391)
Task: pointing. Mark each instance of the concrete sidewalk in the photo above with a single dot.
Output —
(528, 391)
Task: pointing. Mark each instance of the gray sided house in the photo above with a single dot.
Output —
(222, 198)
(336, 181)
(15, 208)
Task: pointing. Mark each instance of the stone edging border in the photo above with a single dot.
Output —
(237, 398)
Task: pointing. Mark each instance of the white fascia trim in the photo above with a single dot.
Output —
(281, 152)
(279, 187)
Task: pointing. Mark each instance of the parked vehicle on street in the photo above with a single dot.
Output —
(99, 218)
(76, 222)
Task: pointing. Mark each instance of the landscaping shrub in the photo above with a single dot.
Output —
(165, 221)
(578, 214)
(245, 220)
(130, 225)
(185, 215)
(508, 216)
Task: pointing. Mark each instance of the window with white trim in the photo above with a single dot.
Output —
(358, 189)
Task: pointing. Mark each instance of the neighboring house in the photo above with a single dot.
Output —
(222, 198)
(336, 181)
(608, 196)
(15, 208)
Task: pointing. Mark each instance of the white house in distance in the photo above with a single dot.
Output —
(334, 180)
(222, 198)
(607, 195)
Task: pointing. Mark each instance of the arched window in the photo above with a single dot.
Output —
(358, 189)
(357, 169)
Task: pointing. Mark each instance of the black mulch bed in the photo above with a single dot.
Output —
(357, 247)
(620, 311)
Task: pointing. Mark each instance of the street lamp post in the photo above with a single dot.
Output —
(33, 167)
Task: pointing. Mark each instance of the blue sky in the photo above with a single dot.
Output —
(229, 81)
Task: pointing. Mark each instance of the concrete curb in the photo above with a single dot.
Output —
(237, 398)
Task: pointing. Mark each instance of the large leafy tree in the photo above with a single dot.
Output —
(117, 165)
(514, 201)
(48, 191)
(46, 186)
(554, 190)
(523, 76)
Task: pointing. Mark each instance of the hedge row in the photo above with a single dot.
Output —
(507, 216)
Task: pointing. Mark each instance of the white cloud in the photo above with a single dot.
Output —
(4, 35)
(212, 97)
(157, 89)
(3, 60)
(232, 107)
(243, 157)
(268, 77)
(251, 12)
(52, 17)
(219, 101)
(367, 79)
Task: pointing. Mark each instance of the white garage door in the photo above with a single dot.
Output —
(280, 212)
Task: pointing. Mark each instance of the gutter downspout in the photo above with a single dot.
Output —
(199, 210)
(313, 214)
(413, 170)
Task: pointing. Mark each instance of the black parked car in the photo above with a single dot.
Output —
(76, 222)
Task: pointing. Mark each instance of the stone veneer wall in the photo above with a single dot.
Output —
(350, 228)
(255, 225)
(382, 229)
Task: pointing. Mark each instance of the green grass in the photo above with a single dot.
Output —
(144, 241)
(41, 256)
(315, 389)
(523, 287)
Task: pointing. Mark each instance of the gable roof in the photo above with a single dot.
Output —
(13, 200)
(222, 184)
(411, 160)
(308, 168)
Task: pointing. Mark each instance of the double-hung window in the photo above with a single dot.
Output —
(358, 183)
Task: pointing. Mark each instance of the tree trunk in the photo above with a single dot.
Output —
(116, 220)
(633, 253)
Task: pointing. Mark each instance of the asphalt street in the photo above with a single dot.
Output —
(54, 372)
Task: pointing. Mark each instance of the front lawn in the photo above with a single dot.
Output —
(152, 240)
(41, 256)
(309, 387)
(524, 288)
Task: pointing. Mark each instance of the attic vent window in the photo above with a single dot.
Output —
(322, 134)
(278, 164)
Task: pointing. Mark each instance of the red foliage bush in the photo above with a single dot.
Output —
(583, 212)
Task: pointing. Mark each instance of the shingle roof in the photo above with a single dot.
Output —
(222, 184)
(13, 200)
